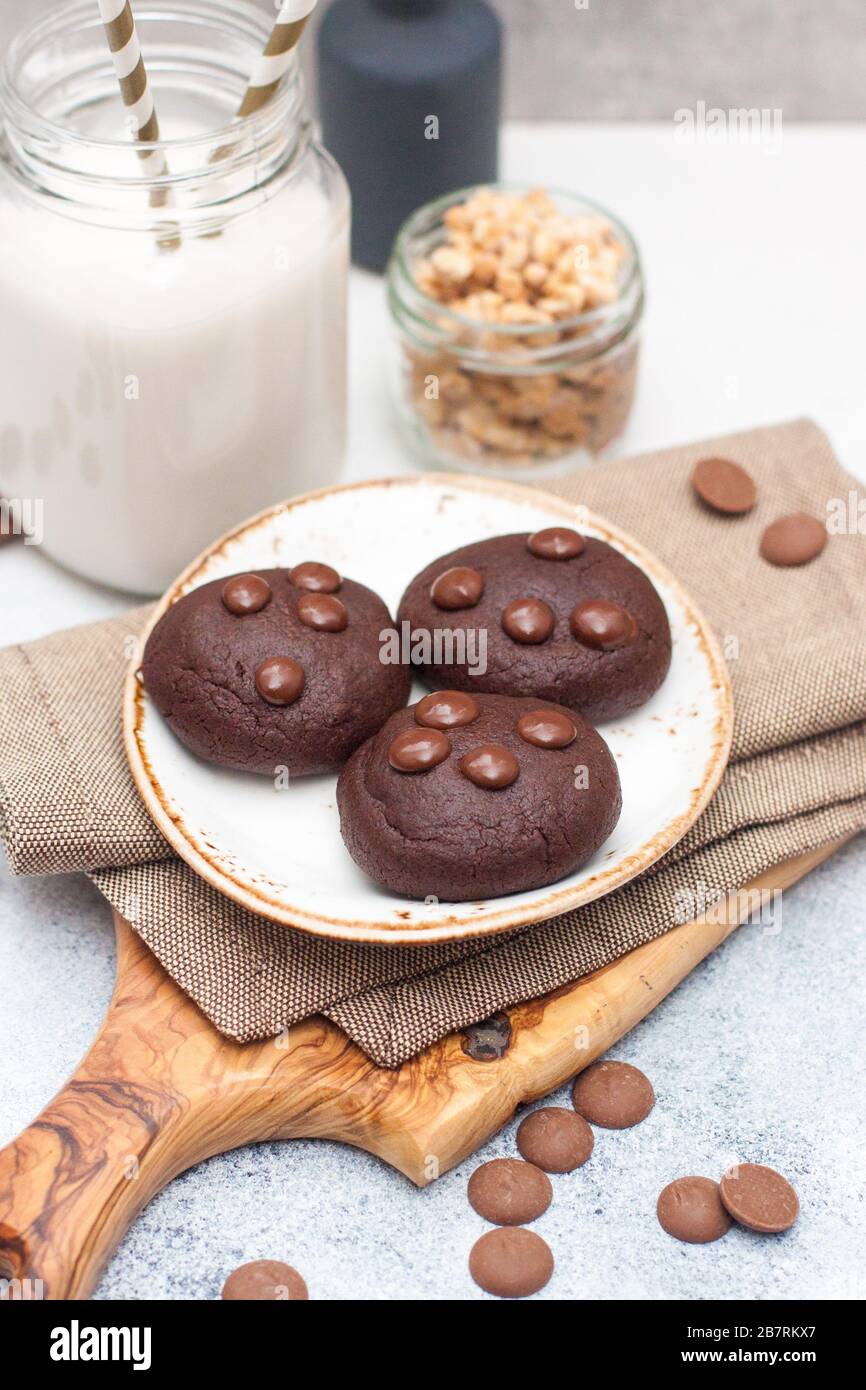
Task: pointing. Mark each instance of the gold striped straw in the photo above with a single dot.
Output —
(274, 62)
(134, 88)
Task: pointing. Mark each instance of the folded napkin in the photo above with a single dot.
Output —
(797, 778)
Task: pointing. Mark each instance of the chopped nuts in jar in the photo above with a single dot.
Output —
(497, 263)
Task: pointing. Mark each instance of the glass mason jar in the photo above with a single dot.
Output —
(173, 354)
(515, 400)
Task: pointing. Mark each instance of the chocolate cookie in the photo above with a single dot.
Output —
(566, 618)
(274, 669)
(515, 797)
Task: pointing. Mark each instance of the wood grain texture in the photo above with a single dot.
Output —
(160, 1090)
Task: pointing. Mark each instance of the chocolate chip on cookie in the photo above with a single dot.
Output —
(246, 593)
(446, 709)
(324, 612)
(556, 543)
(280, 680)
(601, 624)
(490, 765)
(457, 587)
(316, 578)
(417, 750)
(528, 620)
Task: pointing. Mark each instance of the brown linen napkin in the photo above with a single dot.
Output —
(797, 642)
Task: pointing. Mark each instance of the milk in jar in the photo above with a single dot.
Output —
(172, 348)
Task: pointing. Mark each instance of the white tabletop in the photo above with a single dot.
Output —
(757, 296)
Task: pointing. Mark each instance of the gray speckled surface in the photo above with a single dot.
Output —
(758, 1055)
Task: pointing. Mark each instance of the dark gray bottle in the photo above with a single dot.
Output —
(409, 98)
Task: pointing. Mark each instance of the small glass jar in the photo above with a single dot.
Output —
(173, 354)
(514, 400)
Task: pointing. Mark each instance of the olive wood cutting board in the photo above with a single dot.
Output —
(161, 1090)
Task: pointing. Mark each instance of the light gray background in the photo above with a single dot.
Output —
(643, 59)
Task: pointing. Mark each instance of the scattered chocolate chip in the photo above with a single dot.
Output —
(793, 540)
(318, 579)
(490, 765)
(511, 1262)
(417, 750)
(509, 1192)
(246, 593)
(555, 1139)
(724, 486)
(487, 1041)
(446, 709)
(547, 728)
(528, 620)
(280, 680)
(270, 1280)
(613, 1095)
(323, 612)
(601, 624)
(556, 543)
(759, 1198)
(459, 587)
(690, 1209)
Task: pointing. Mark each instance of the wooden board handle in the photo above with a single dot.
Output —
(158, 1091)
(74, 1180)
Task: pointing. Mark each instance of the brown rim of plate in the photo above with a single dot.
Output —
(552, 901)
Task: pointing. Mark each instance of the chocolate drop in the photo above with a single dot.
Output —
(491, 766)
(322, 612)
(446, 709)
(280, 680)
(417, 750)
(459, 587)
(556, 543)
(601, 624)
(246, 593)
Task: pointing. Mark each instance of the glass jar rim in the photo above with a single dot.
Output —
(407, 296)
(77, 15)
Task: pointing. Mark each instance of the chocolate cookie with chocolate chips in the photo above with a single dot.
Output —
(566, 618)
(280, 668)
(462, 797)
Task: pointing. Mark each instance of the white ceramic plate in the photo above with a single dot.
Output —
(280, 853)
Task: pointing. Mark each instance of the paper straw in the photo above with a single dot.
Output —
(273, 65)
(132, 75)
